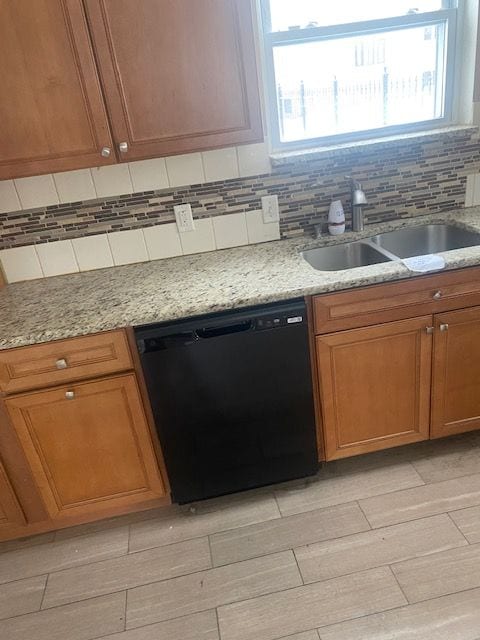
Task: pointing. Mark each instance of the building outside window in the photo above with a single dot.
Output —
(347, 69)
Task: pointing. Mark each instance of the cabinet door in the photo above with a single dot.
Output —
(88, 445)
(456, 373)
(10, 512)
(52, 113)
(375, 386)
(179, 75)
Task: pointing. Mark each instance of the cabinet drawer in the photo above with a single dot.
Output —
(45, 365)
(396, 301)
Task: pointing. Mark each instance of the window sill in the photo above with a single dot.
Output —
(340, 150)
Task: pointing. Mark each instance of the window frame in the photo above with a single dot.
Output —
(448, 14)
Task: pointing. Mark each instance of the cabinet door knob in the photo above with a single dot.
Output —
(123, 147)
(106, 152)
(444, 327)
(70, 395)
(429, 330)
(61, 364)
(437, 295)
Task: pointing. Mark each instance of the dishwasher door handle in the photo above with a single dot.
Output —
(223, 330)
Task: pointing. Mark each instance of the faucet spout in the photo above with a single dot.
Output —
(359, 199)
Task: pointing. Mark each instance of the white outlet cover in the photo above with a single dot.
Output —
(184, 218)
(270, 209)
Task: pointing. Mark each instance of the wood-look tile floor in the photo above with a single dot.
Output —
(381, 547)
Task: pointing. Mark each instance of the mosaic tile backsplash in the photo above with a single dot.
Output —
(404, 178)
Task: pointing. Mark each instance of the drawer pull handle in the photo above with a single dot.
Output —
(70, 395)
(437, 295)
(444, 327)
(429, 330)
(61, 364)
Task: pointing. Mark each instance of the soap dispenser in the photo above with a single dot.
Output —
(336, 218)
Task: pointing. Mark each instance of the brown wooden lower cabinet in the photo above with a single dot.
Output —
(88, 445)
(375, 386)
(456, 373)
(11, 514)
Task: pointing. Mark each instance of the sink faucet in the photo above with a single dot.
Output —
(359, 199)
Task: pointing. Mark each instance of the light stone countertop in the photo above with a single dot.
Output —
(78, 304)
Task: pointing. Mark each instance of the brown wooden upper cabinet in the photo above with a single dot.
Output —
(52, 114)
(100, 81)
(178, 75)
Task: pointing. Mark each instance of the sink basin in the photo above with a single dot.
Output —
(344, 256)
(430, 238)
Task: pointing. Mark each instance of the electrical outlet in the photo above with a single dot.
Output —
(270, 209)
(184, 218)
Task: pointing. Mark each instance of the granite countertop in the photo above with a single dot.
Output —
(78, 304)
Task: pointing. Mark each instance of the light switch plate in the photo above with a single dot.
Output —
(184, 218)
(270, 209)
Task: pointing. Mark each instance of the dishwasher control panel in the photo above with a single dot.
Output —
(273, 321)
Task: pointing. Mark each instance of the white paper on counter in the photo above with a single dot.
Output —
(422, 264)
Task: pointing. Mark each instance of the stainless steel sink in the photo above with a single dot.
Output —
(344, 256)
(430, 238)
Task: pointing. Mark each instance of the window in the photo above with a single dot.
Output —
(345, 69)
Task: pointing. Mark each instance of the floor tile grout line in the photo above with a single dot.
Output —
(67, 604)
(458, 528)
(218, 623)
(376, 495)
(278, 505)
(407, 601)
(38, 575)
(75, 566)
(44, 592)
(126, 609)
(298, 566)
(212, 566)
(203, 535)
(366, 517)
(128, 539)
(429, 515)
(444, 595)
(436, 553)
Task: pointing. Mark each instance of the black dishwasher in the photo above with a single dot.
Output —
(232, 398)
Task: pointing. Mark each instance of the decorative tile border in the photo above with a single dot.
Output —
(405, 177)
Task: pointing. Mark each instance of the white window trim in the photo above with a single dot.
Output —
(456, 53)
